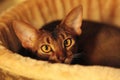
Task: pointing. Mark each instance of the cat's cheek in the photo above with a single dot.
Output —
(42, 55)
(53, 59)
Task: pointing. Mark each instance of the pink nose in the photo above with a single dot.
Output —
(61, 56)
(62, 59)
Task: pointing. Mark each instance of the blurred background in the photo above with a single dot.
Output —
(5, 4)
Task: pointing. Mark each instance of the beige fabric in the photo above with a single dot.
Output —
(24, 67)
(5, 4)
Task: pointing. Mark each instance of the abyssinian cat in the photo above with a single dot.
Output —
(72, 41)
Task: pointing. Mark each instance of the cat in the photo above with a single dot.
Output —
(100, 44)
(93, 43)
(56, 46)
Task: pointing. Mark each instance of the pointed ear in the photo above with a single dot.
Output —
(26, 34)
(74, 19)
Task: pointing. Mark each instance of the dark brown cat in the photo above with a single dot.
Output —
(100, 44)
(58, 45)
(94, 43)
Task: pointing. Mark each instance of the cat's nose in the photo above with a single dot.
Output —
(62, 59)
(61, 56)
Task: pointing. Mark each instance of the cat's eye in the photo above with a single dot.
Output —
(68, 42)
(46, 48)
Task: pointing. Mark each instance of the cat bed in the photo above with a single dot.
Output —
(4, 4)
(14, 66)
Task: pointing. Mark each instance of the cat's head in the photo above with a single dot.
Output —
(58, 45)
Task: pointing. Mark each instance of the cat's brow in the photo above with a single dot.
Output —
(47, 40)
(62, 35)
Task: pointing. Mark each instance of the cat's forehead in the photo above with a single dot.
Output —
(58, 33)
(62, 31)
(44, 34)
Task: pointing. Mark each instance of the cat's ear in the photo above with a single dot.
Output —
(74, 19)
(26, 33)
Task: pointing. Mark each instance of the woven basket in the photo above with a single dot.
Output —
(39, 12)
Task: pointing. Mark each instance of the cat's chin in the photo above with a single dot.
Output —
(68, 60)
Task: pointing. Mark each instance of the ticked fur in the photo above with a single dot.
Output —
(56, 46)
(99, 43)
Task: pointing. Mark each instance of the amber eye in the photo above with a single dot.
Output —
(46, 48)
(68, 42)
